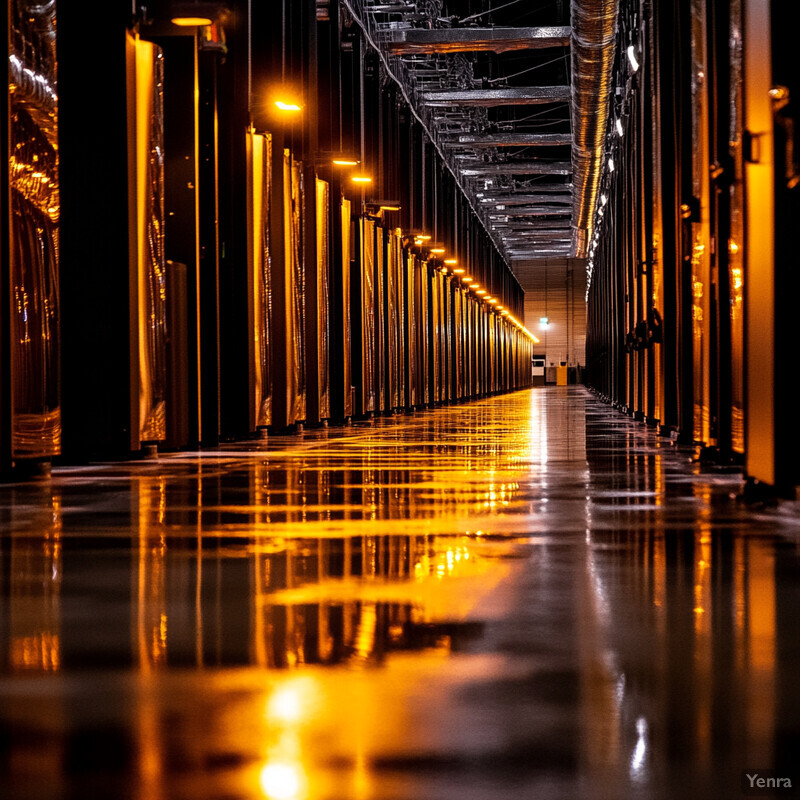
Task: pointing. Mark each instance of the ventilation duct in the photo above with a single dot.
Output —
(594, 28)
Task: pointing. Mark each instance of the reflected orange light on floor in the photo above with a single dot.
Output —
(151, 621)
(34, 601)
(283, 781)
(293, 701)
(40, 652)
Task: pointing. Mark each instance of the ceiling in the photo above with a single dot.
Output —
(493, 82)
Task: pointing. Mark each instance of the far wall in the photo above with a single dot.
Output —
(556, 288)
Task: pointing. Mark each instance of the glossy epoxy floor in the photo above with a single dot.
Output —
(529, 596)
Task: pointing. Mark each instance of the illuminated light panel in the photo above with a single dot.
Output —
(290, 106)
(452, 261)
(632, 58)
(389, 208)
(437, 250)
(458, 271)
(361, 179)
(424, 237)
(481, 291)
(345, 162)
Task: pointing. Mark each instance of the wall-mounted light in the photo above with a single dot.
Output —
(620, 131)
(191, 22)
(195, 14)
(438, 250)
(288, 105)
(451, 262)
(345, 162)
(481, 291)
(544, 323)
(378, 207)
(361, 179)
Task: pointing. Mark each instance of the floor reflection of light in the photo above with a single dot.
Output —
(282, 781)
(538, 431)
(292, 702)
(640, 751)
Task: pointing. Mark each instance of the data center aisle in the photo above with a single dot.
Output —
(525, 596)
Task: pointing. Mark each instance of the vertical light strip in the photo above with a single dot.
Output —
(760, 246)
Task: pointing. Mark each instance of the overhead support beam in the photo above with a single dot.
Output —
(534, 186)
(517, 168)
(512, 140)
(520, 96)
(526, 236)
(536, 253)
(527, 244)
(471, 40)
(548, 252)
(528, 199)
(513, 233)
(537, 225)
(533, 211)
(545, 247)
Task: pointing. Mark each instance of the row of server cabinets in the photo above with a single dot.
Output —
(690, 284)
(393, 327)
(175, 275)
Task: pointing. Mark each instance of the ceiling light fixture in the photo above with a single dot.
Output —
(632, 58)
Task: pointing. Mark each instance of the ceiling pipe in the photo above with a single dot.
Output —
(594, 29)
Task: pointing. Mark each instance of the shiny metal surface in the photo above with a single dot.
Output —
(151, 300)
(33, 213)
(526, 596)
(593, 51)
